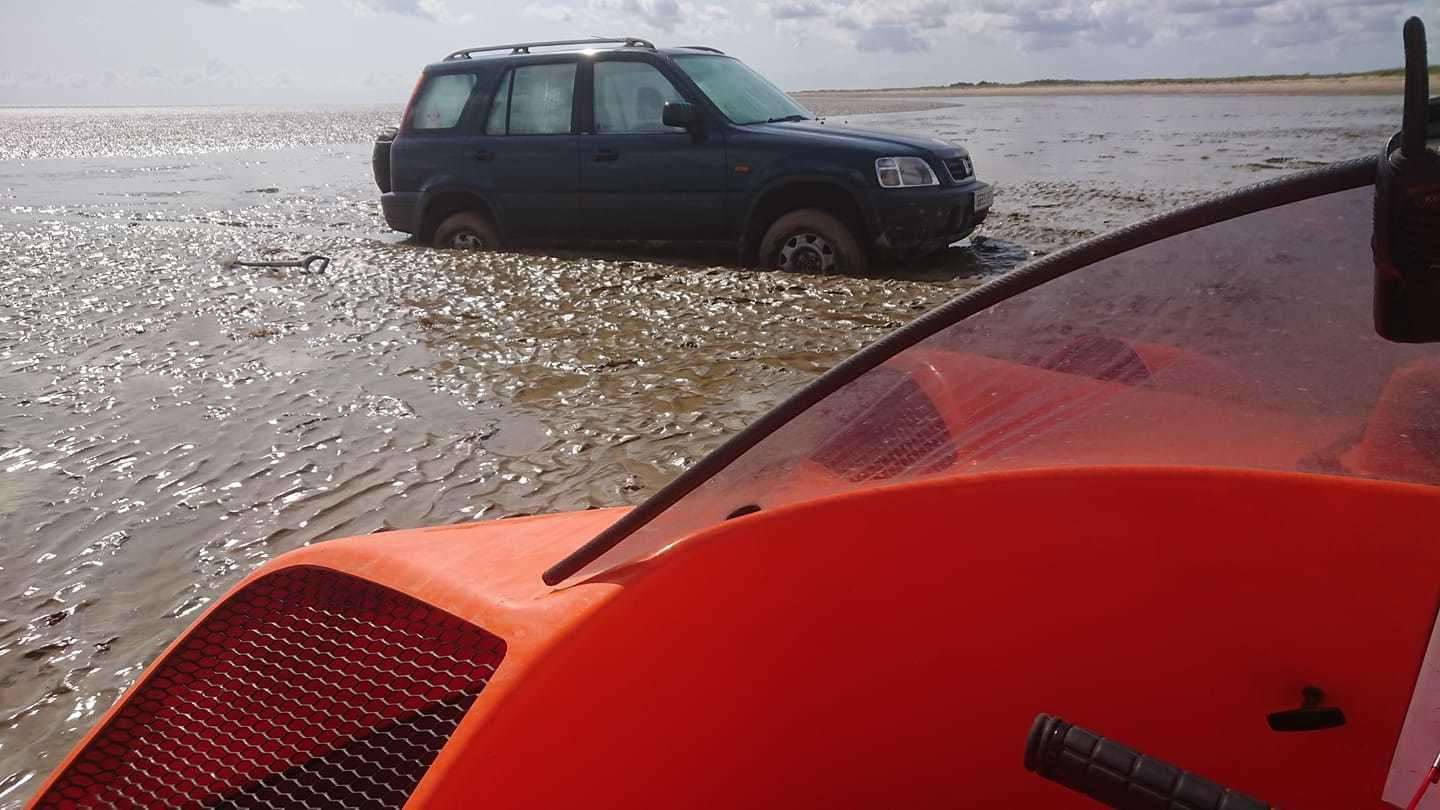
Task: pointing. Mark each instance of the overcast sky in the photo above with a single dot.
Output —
(246, 51)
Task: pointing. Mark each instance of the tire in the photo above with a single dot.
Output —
(812, 241)
(467, 230)
(380, 159)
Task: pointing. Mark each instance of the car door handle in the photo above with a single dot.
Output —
(603, 155)
(482, 155)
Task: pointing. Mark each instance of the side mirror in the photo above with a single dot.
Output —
(679, 114)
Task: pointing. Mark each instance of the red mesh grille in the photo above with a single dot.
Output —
(308, 688)
(900, 433)
(1101, 358)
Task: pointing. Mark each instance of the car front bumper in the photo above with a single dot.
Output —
(922, 219)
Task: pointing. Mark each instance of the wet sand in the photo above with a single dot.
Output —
(1350, 85)
(167, 422)
(1072, 166)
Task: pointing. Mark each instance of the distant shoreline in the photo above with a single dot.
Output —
(1380, 82)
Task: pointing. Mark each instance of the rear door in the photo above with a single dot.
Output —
(528, 155)
(640, 179)
(430, 149)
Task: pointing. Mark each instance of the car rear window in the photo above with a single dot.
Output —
(442, 101)
(534, 100)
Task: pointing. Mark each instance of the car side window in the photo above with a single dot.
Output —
(442, 101)
(533, 100)
(499, 108)
(631, 97)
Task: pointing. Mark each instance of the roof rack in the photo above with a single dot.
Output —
(701, 48)
(524, 47)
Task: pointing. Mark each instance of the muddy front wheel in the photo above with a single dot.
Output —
(812, 241)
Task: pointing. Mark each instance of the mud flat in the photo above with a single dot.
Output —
(1378, 83)
(1069, 166)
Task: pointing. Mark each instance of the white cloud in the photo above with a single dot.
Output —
(907, 26)
(433, 10)
(793, 9)
(255, 5)
(871, 26)
(645, 16)
(896, 37)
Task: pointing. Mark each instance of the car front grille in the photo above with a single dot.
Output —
(307, 688)
(960, 168)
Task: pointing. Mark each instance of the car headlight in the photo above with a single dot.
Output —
(904, 172)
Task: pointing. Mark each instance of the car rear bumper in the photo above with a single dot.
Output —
(922, 219)
(399, 210)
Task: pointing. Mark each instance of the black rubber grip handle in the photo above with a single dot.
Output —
(1116, 776)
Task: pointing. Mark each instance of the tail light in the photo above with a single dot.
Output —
(308, 687)
(410, 105)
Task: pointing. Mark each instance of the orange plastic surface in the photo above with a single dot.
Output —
(889, 647)
(1004, 414)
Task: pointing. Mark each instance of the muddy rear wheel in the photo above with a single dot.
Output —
(467, 230)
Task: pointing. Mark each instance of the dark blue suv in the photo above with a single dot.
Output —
(513, 143)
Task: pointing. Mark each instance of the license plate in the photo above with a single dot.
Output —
(983, 198)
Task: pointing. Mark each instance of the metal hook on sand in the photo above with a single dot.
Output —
(310, 263)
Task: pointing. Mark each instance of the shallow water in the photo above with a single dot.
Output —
(168, 422)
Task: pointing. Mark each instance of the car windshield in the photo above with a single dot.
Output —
(1247, 343)
(744, 96)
